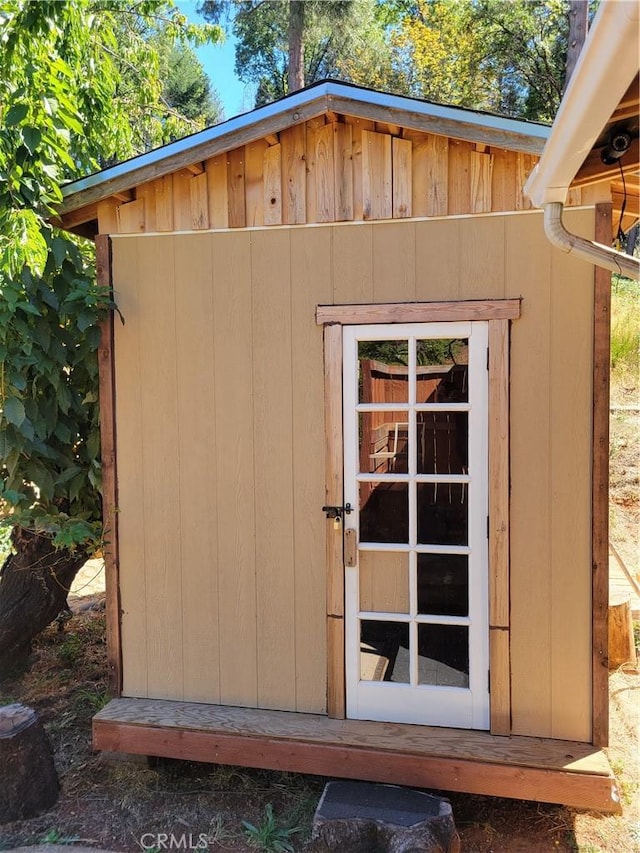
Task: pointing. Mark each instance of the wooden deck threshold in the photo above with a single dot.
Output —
(527, 768)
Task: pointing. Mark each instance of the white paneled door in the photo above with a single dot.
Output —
(415, 477)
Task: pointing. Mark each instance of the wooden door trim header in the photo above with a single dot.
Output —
(419, 312)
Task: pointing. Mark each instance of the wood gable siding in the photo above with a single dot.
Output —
(326, 171)
(221, 448)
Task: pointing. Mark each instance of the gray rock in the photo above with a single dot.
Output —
(361, 817)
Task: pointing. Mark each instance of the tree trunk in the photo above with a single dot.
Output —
(34, 583)
(296, 45)
(578, 23)
(29, 780)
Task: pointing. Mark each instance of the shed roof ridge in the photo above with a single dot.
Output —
(299, 106)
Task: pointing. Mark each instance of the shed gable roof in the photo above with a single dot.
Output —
(327, 96)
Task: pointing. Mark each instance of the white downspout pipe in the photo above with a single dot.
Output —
(595, 253)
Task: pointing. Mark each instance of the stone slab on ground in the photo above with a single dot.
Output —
(363, 817)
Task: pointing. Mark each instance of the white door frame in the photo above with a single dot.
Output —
(463, 707)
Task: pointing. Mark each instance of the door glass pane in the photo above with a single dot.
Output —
(443, 584)
(443, 652)
(442, 370)
(383, 437)
(384, 651)
(442, 442)
(384, 376)
(384, 512)
(384, 582)
(442, 513)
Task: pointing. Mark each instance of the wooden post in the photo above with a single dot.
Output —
(106, 370)
(499, 526)
(578, 23)
(622, 648)
(334, 495)
(600, 485)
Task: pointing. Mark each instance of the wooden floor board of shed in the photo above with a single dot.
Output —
(531, 768)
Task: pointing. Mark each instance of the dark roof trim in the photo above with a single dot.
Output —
(298, 107)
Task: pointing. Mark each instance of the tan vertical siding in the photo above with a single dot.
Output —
(235, 560)
(194, 481)
(273, 468)
(571, 358)
(394, 262)
(438, 260)
(229, 317)
(131, 518)
(550, 476)
(529, 267)
(160, 459)
(351, 267)
(310, 284)
(482, 250)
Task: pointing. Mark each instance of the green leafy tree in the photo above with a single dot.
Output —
(187, 88)
(527, 54)
(283, 45)
(66, 72)
(504, 56)
(438, 50)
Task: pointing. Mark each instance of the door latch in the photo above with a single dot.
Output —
(336, 513)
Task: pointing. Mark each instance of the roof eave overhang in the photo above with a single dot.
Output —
(606, 68)
(297, 108)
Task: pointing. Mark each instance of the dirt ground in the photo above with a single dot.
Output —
(123, 805)
(624, 485)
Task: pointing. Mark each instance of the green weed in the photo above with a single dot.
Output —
(94, 698)
(625, 326)
(54, 836)
(70, 651)
(218, 833)
(269, 836)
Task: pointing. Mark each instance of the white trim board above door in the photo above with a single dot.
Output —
(416, 475)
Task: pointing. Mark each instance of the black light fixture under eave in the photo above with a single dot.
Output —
(618, 144)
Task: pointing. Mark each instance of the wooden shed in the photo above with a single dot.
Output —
(348, 451)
